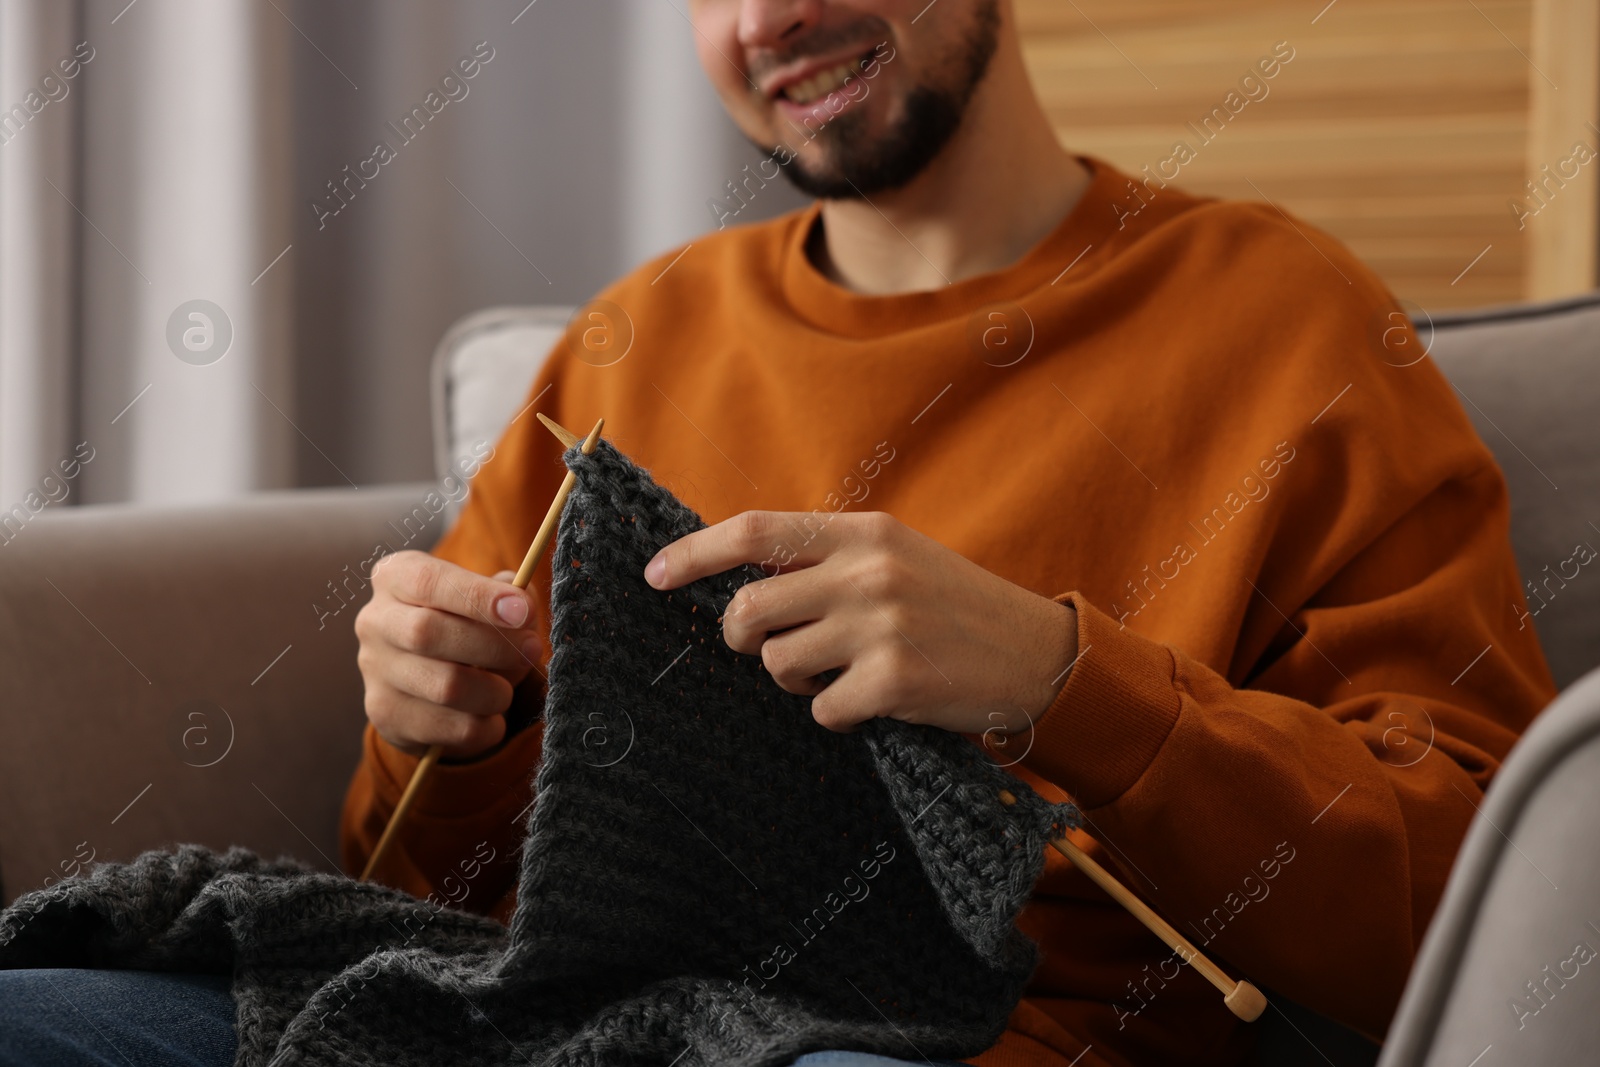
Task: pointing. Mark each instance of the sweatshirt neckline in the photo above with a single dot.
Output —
(1076, 241)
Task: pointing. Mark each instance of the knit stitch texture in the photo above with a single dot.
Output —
(708, 876)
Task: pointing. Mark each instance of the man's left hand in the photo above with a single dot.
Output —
(918, 632)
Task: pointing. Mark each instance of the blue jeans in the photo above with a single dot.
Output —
(73, 1018)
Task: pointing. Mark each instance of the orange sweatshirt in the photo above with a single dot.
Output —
(1289, 554)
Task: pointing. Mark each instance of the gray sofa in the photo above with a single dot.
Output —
(188, 674)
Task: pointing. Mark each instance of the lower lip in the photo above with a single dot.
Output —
(823, 109)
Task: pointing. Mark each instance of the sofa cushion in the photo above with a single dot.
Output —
(1529, 377)
(482, 369)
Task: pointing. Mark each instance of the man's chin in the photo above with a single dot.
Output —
(853, 160)
(826, 181)
(820, 174)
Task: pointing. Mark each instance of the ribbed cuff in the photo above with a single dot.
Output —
(458, 790)
(1111, 717)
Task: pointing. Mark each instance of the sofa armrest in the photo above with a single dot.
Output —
(186, 674)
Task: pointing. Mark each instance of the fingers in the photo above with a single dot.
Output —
(850, 587)
(859, 693)
(442, 636)
(796, 657)
(452, 686)
(794, 625)
(412, 724)
(427, 581)
(772, 604)
(414, 701)
(440, 654)
(751, 537)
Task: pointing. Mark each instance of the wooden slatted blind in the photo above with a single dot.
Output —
(1399, 126)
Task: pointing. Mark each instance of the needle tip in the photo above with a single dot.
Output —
(564, 435)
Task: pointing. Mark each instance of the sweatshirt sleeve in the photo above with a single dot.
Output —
(461, 835)
(1295, 805)
(460, 838)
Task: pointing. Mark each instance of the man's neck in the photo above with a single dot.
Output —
(1000, 185)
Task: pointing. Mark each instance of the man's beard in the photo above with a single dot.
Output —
(861, 163)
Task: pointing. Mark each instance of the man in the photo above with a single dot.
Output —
(1117, 478)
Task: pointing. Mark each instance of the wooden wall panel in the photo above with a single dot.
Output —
(1563, 215)
(1400, 126)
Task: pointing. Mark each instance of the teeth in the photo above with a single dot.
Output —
(821, 84)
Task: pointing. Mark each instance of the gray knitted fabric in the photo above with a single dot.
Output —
(708, 876)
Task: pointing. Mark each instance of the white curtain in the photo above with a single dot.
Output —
(186, 156)
(155, 180)
(193, 146)
(684, 146)
(37, 246)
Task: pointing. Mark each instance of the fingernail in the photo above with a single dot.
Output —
(513, 610)
(530, 648)
(655, 572)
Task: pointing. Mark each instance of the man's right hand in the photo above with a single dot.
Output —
(441, 650)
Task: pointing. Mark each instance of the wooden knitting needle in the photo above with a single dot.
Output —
(1242, 998)
(564, 435)
(541, 541)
